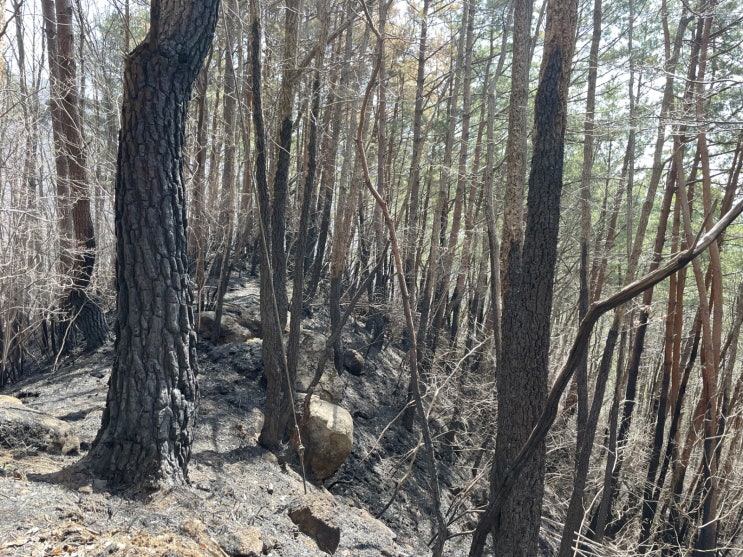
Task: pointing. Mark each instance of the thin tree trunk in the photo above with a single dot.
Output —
(307, 195)
(441, 532)
(273, 348)
(706, 541)
(535, 441)
(412, 216)
(329, 152)
(197, 230)
(512, 235)
(86, 314)
(666, 398)
(584, 440)
(281, 177)
(444, 276)
(613, 465)
(343, 212)
(490, 219)
(229, 166)
(464, 199)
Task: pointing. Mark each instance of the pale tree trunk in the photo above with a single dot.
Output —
(516, 145)
(433, 480)
(489, 209)
(613, 464)
(347, 190)
(583, 443)
(229, 165)
(410, 246)
(461, 188)
(378, 290)
(3, 30)
(246, 129)
(380, 281)
(74, 203)
(432, 295)
(446, 258)
(198, 226)
(147, 427)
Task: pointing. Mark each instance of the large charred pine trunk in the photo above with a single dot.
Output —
(527, 304)
(147, 428)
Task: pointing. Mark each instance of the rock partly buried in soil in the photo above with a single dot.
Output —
(236, 543)
(353, 362)
(22, 427)
(328, 436)
(229, 329)
(242, 543)
(314, 516)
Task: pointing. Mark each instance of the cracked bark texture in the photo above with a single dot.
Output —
(147, 427)
(522, 373)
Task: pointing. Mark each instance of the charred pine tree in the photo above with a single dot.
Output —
(147, 427)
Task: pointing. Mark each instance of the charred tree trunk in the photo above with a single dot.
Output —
(527, 303)
(147, 427)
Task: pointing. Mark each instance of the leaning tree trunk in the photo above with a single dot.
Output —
(147, 429)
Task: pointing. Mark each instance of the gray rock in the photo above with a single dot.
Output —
(229, 329)
(22, 427)
(246, 358)
(246, 317)
(314, 516)
(328, 436)
(353, 362)
(245, 542)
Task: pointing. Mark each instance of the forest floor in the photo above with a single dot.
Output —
(240, 495)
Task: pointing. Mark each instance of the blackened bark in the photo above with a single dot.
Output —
(147, 427)
(527, 304)
(292, 350)
(570, 530)
(516, 145)
(273, 360)
(325, 202)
